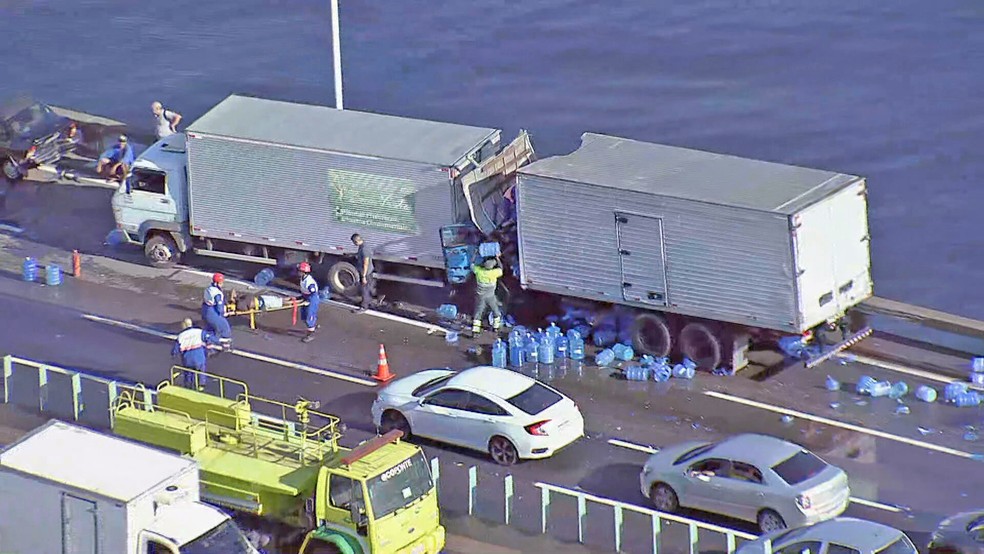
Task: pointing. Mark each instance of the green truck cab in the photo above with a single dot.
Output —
(286, 477)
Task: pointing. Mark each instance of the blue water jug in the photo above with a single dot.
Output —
(637, 373)
(623, 352)
(499, 353)
(951, 390)
(52, 275)
(926, 394)
(681, 371)
(515, 355)
(531, 350)
(553, 331)
(576, 349)
(264, 277)
(864, 384)
(832, 384)
(489, 249)
(977, 365)
(451, 337)
(324, 294)
(977, 379)
(546, 348)
(898, 390)
(447, 311)
(880, 388)
(967, 399)
(604, 358)
(30, 271)
(661, 373)
(573, 335)
(560, 347)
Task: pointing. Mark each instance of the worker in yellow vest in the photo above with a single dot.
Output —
(486, 280)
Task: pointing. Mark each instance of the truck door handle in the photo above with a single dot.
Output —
(626, 285)
(624, 252)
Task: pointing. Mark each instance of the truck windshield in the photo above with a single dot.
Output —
(227, 538)
(399, 485)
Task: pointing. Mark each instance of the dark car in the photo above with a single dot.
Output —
(959, 534)
(31, 133)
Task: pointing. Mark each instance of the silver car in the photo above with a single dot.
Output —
(769, 481)
(842, 535)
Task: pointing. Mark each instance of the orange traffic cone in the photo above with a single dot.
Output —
(383, 368)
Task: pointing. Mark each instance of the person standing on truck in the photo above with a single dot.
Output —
(367, 279)
(165, 121)
(486, 280)
(192, 346)
(115, 163)
(309, 294)
(213, 311)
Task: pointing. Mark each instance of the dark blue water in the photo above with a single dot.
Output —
(889, 90)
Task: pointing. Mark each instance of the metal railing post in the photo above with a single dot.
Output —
(42, 387)
(582, 516)
(472, 485)
(544, 508)
(618, 528)
(730, 537)
(8, 371)
(508, 503)
(767, 547)
(436, 473)
(77, 405)
(694, 538)
(657, 532)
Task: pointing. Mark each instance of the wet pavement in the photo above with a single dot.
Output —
(905, 468)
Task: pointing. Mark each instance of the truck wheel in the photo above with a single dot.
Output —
(11, 170)
(161, 251)
(652, 336)
(701, 345)
(343, 278)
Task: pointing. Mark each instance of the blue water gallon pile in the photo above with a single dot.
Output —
(489, 249)
(952, 390)
(52, 275)
(447, 311)
(499, 353)
(30, 270)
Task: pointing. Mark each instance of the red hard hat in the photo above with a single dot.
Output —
(218, 278)
(304, 267)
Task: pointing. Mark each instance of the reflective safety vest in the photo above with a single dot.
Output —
(486, 278)
(191, 339)
(309, 287)
(213, 296)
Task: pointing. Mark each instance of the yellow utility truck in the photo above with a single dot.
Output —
(281, 469)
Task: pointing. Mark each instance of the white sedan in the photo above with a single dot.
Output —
(498, 411)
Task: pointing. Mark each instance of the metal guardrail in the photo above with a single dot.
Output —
(585, 500)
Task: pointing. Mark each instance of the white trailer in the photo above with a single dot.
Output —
(70, 490)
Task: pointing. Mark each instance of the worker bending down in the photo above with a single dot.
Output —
(192, 345)
(487, 279)
(309, 293)
(213, 311)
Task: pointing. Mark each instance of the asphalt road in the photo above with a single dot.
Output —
(46, 324)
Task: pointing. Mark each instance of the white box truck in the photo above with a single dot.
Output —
(69, 490)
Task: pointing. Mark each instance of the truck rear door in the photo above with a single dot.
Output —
(640, 254)
(78, 525)
(833, 262)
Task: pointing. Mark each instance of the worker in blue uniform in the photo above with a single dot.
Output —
(213, 311)
(192, 346)
(309, 293)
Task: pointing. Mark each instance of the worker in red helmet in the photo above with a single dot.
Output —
(309, 293)
(213, 311)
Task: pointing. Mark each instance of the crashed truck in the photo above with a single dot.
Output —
(708, 251)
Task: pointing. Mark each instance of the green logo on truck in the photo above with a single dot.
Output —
(375, 201)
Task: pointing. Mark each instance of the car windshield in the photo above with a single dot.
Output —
(535, 399)
(693, 453)
(430, 386)
(799, 467)
(400, 485)
(901, 546)
(29, 117)
(224, 539)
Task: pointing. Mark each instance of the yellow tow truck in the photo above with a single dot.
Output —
(286, 476)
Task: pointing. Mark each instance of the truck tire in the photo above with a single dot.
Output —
(651, 335)
(699, 343)
(161, 250)
(343, 278)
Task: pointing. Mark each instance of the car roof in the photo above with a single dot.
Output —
(759, 450)
(491, 380)
(847, 531)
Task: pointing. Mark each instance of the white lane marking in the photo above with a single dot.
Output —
(651, 450)
(240, 353)
(876, 505)
(907, 370)
(633, 446)
(842, 425)
(431, 328)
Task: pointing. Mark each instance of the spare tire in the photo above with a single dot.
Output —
(699, 343)
(343, 278)
(651, 335)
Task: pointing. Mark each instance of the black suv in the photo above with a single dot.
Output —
(31, 134)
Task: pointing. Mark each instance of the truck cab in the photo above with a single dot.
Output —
(193, 528)
(151, 209)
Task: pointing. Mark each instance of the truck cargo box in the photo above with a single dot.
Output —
(80, 500)
(307, 177)
(700, 234)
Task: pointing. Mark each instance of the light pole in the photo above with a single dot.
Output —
(337, 53)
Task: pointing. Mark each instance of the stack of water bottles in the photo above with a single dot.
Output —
(870, 386)
(542, 347)
(660, 370)
(977, 371)
(959, 394)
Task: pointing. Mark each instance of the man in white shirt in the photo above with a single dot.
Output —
(165, 121)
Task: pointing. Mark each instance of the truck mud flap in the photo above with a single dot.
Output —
(839, 347)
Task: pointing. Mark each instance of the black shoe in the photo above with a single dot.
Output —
(308, 338)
